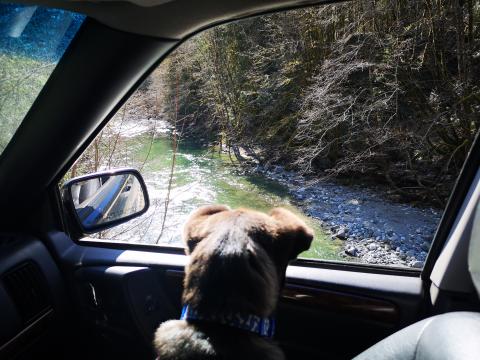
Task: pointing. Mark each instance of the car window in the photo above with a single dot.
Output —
(356, 116)
(32, 40)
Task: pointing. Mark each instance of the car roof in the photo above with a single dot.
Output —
(169, 19)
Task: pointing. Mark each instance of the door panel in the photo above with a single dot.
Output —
(125, 294)
(385, 312)
(336, 324)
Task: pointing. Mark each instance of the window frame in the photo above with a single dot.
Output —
(454, 203)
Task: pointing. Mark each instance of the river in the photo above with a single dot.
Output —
(202, 176)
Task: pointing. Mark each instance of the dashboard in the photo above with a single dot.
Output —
(33, 298)
(101, 310)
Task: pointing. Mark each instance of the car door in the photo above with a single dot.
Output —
(122, 290)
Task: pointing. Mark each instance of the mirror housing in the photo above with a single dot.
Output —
(102, 200)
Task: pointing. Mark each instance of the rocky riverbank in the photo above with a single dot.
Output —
(374, 229)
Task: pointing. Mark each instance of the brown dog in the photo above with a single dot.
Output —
(237, 267)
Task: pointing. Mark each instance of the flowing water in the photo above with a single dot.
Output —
(202, 176)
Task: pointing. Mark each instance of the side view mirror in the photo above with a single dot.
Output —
(105, 199)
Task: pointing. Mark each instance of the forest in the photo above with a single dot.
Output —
(379, 91)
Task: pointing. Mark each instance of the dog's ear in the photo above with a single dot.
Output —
(292, 231)
(195, 229)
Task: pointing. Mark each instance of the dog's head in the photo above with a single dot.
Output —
(239, 257)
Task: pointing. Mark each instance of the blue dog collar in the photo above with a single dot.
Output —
(262, 326)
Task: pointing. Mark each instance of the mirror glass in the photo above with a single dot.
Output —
(107, 198)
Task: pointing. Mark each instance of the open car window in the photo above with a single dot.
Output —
(32, 40)
(356, 118)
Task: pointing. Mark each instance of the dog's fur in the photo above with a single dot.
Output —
(237, 264)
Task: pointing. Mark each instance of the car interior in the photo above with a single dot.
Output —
(61, 297)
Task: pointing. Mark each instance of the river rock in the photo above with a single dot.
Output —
(425, 246)
(351, 250)
(417, 264)
(342, 234)
(372, 246)
(394, 237)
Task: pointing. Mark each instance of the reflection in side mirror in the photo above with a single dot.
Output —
(106, 199)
